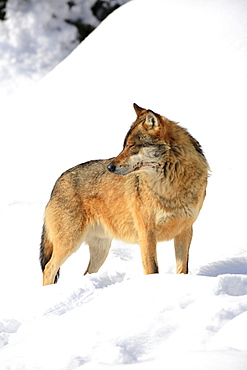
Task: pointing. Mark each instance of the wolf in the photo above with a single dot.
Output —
(152, 191)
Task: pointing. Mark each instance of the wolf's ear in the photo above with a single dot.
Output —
(151, 122)
(138, 109)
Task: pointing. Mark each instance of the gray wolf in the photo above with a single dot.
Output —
(152, 191)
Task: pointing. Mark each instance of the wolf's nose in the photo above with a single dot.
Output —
(111, 167)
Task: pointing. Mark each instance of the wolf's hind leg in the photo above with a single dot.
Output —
(63, 247)
(52, 268)
(59, 256)
(182, 246)
(99, 249)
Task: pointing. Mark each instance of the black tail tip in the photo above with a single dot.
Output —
(57, 277)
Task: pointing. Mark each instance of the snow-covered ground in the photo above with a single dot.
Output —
(37, 35)
(187, 61)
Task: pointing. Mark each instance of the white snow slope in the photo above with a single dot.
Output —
(187, 61)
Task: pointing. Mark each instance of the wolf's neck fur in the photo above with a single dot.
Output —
(175, 178)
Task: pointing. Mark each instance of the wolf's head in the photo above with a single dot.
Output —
(144, 145)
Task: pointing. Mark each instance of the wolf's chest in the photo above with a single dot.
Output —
(161, 217)
(172, 222)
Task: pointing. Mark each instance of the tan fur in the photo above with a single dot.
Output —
(151, 192)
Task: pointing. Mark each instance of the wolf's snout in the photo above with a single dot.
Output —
(111, 167)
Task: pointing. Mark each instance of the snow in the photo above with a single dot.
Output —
(109, 321)
(32, 42)
(36, 36)
(187, 61)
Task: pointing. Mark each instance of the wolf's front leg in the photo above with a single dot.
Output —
(182, 246)
(148, 252)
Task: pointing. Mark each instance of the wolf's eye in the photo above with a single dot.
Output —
(148, 143)
(135, 150)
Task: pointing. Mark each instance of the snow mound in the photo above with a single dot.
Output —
(110, 320)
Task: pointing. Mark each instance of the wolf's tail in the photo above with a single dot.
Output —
(46, 249)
